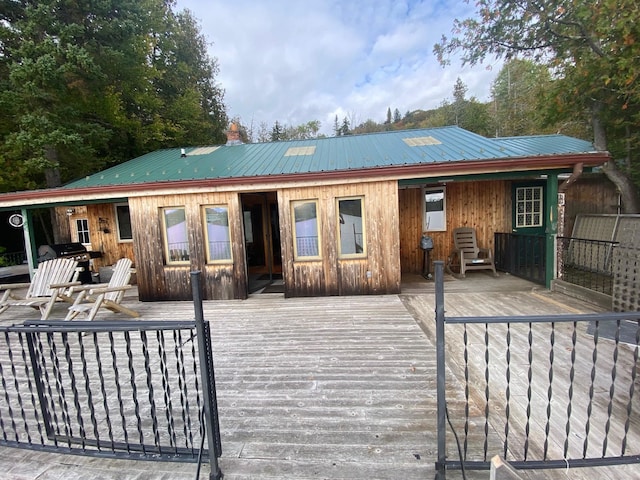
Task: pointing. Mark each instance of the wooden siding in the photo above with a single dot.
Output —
(107, 241)
(483, 205)
(378, 272)
(591, 193)
(157, 281)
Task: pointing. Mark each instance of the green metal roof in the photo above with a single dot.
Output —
(345, 153)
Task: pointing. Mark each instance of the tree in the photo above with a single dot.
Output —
(387, 122)
(592, 49)
(345, 127)
(87, 85)
(277, 132)
(397, 116)
(336, 127)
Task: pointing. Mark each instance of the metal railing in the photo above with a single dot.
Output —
(521, 255)
(12, 258)
(133, 389)
(586, 263)
(552, 391)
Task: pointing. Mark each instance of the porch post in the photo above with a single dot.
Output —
(551, 230)
(440, 373)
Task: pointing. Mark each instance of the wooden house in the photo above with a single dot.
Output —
(333, 216)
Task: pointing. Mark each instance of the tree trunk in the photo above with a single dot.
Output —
(627, 189)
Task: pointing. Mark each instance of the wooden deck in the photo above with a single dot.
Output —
(322, 388)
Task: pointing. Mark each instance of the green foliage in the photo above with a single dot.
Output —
(592, 50)
(87, 85)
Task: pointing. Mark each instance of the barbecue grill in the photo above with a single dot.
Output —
(75, 250)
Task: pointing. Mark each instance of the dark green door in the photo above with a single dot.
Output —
(528, 241)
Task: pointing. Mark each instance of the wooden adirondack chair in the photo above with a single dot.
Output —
(51, 282)
(108, 295)
(467, 255)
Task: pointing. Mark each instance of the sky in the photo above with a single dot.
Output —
(294, 61)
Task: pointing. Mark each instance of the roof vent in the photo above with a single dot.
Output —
(421, 141)
(298, 151)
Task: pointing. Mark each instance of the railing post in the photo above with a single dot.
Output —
(440, 372)
(207, 377)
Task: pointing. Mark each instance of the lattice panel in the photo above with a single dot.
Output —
(626, 278)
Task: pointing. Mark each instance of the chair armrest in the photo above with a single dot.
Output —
(14, 286)
(88, 287)
(487, 252)
(64, 285)
(99, 290)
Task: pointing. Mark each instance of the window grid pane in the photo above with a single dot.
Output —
(82, 226)
(529, 207)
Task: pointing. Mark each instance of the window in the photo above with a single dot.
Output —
(528, 207)
(435, 213)
(82, 227)
(351, 228)
(123, 221)
(175, 234)
(218, 234)
(305, 219)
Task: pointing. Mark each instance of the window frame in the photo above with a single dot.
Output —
(165, 240)
(339, 217)
(205, 222)
(425, 214)
(117, 219)
(524, 201)
(84, 230)
(296, 256)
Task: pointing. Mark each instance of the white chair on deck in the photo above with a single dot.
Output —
(51, 283)
(105, 295)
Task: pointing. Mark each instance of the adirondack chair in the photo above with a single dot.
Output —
(91, 298)
(51, 282)
(467, 255)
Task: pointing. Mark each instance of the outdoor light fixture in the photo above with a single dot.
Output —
(103, 224)
(71, 211)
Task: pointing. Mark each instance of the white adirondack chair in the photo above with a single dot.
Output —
(51, 282)
(106, 295)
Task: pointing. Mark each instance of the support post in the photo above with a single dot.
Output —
(208, 379)
(440, 372)
(551, 232)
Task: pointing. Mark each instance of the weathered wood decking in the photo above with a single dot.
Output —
(333, 387)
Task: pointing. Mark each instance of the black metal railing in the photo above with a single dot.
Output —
(552, 391)
(586, 263)
(12, 258)
(142, 389)
(521, 255)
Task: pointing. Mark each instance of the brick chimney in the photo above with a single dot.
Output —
(233, 135)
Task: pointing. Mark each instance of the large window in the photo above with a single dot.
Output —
(123, 221)
(82, 227)
(174, 222)
(435, 213)
(305, 220)
(351, 227)
(529, 207)
(218, 234)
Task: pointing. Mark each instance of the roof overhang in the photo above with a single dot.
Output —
(61, 196)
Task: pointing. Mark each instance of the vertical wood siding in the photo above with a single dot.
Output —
(484, 205)
(107, 242)
(589, 194)
(157, 281)
(378, 272)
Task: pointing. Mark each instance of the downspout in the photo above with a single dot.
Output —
(577, 171)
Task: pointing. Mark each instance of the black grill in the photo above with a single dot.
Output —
(74, 250)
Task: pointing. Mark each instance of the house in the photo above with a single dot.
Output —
(333, 216)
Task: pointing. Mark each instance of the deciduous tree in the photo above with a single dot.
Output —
(592, 49)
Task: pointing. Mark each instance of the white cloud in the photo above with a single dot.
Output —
(295, 61)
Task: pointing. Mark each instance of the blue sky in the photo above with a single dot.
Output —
(295, 61)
